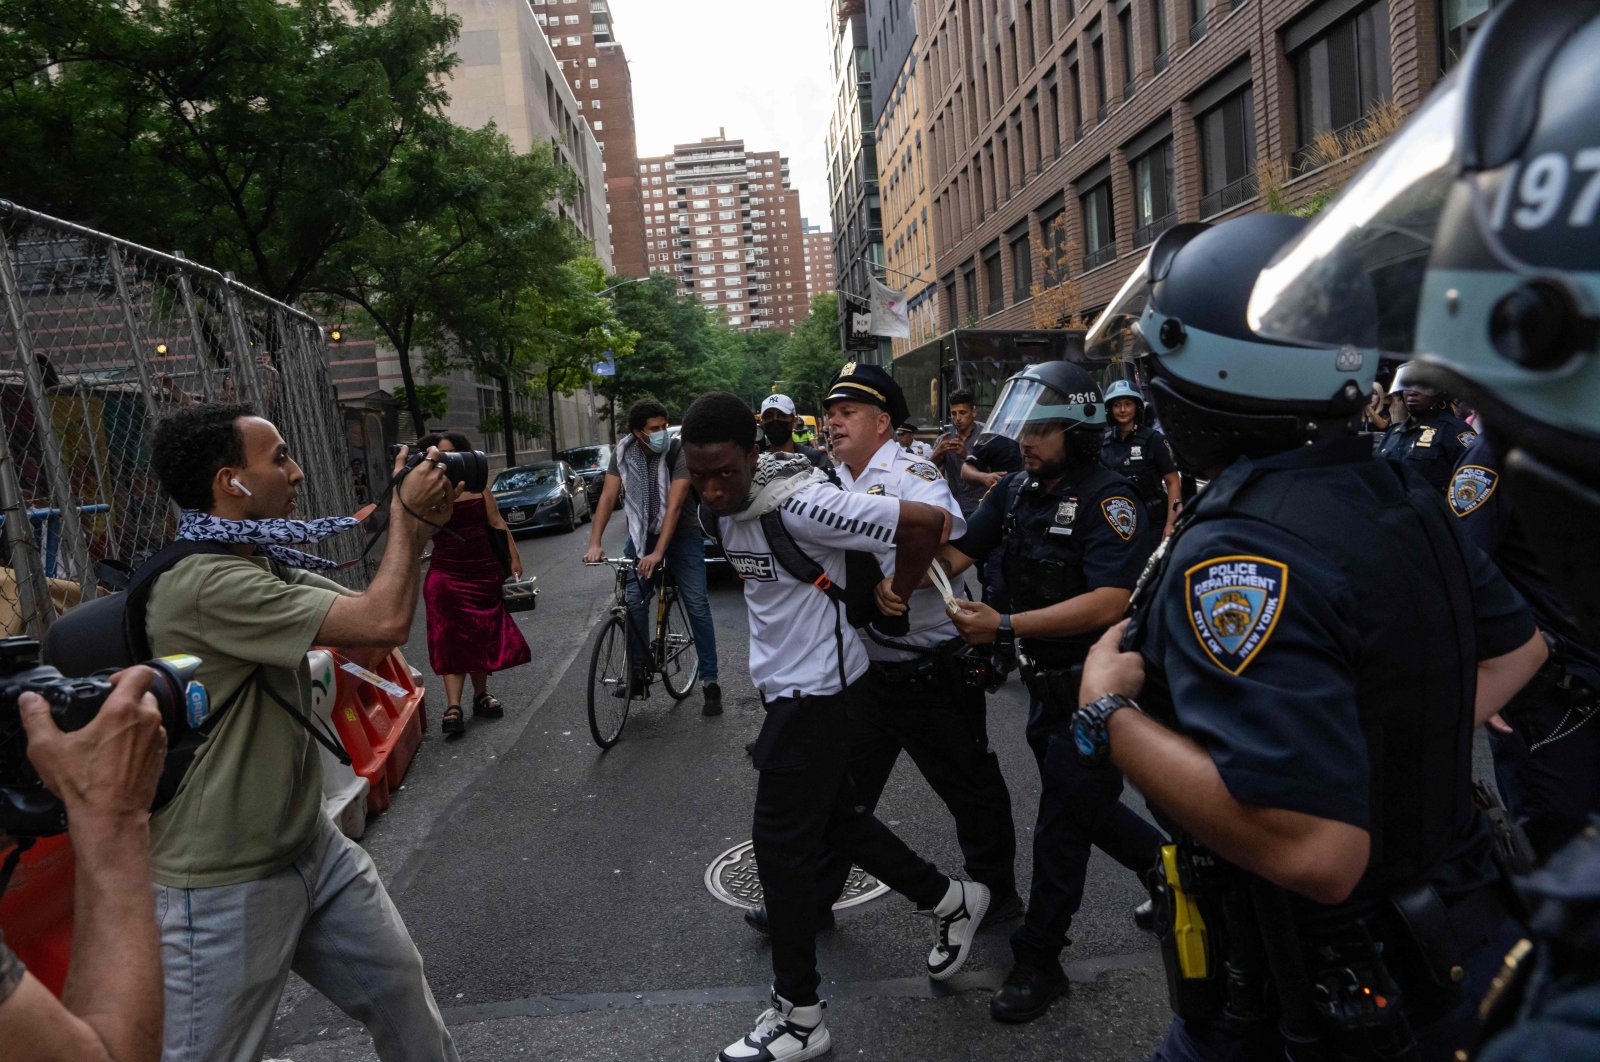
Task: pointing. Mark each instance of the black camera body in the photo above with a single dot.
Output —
(469, 467)
(27, 808)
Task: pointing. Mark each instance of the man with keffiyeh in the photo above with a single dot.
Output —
(648, 471)
(251, 877)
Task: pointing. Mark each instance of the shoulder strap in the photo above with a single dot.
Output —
(710, 524)
(796, 561)
(143, 582)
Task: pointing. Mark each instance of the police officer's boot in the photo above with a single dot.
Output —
(1028, 991)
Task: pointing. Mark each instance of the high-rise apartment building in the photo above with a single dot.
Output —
(595, 68)
(898, 121)
(820, 279)
(726, 223)
(853, 168)
(1062, 138)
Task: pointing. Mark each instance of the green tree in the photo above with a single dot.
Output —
(459, 216)
(248, 134)
(812, 357)
(679, 347)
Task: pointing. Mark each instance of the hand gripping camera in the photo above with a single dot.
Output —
(469, 468)
(27, 808)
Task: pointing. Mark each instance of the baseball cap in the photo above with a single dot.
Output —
(782, 403)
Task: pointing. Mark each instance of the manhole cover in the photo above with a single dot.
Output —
(732, 878)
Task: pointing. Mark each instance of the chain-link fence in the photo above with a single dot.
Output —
(99, 338)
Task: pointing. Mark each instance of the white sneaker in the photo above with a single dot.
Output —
(956, 919)
(784, 1033)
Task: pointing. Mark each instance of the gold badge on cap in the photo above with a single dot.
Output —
(849, 369)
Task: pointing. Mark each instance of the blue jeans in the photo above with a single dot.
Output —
(687, 560)
(227, 951)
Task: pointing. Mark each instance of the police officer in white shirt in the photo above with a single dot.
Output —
(906, 435)
(920, 695)
(774, 513)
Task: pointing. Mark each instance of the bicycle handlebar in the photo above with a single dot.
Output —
(620, 562)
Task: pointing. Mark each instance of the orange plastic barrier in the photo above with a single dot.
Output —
(381, 730)
(36, 912)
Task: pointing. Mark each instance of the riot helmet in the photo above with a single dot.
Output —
(1124, 389)
(1051, 395)
(1221, 390)
(1471, 239)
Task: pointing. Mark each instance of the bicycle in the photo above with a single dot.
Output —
(671, 654)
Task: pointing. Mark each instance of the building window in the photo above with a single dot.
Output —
(1227, 153)
(1125, 31)
(1158, 21)
(1154, 208)
(1099, 235)
(1021, 268)
(1053, 237)
(1459, 20)
(1076, 88)
(1341, 76)
(1097, 67)
(969, 291)
(994, 280)
(1197, 20)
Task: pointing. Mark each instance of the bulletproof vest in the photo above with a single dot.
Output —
(1412, 610)
(1042, 557)
(1140, 471)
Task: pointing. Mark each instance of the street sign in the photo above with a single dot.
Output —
(607, 366)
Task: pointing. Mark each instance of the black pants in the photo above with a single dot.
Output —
(806, 804)
(1550, 786)
(945, 730)
(1079, 806)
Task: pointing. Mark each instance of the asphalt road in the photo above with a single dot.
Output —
(557, 893)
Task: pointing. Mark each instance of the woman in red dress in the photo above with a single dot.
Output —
(469, 630)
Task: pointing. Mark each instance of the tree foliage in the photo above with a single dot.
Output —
(246, 134)
(812, 357)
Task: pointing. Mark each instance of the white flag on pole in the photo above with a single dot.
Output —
(890, 317)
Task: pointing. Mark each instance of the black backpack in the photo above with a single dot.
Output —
(109, 633)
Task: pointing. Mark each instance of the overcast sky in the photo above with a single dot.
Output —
(759, 68)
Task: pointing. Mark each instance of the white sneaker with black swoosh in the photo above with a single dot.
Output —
(956, 919)
(784, 1033)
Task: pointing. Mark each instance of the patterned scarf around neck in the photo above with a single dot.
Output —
(268, 534)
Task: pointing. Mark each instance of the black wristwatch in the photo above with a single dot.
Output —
(1089, 731)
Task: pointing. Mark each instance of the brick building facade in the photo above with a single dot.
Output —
(820, 276)
(1061, 141)
(727, 224)
(596, 70)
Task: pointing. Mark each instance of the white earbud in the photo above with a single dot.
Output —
(242, 487)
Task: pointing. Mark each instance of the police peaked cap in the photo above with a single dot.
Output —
(871, 384)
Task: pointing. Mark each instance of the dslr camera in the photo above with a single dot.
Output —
(27, 808)
(470, 467)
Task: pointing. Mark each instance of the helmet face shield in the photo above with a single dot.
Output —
(1353, 279)
(1028, 405)
(1115, 333)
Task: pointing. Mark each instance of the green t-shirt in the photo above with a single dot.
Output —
(250, 802)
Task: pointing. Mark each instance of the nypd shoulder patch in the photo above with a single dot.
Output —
(1471, 487)
(1234, 605)
(1466, 437)
(1122, 515)
(923, 471)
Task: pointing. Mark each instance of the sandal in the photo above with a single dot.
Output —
(454, 721)
(486, 705)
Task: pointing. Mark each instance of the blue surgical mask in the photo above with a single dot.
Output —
(658, 440)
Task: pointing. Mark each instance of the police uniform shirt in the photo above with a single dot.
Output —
(1489, 518)
(1142, 455)
(792, 624)
(1431, 443)
(893, 473)
(1108, 520)
(1255, 638)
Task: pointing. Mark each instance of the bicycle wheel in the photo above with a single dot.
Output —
(680, 659)
(610, 685)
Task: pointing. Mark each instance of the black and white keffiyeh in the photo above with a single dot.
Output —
(270, 535)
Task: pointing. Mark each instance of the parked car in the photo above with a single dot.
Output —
(543, 494)
(590, 462)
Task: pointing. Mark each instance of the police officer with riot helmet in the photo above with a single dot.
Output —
(1137, 450)
(1489, 183)
(1432, 438)
(1332, 892)
(1073, 538)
